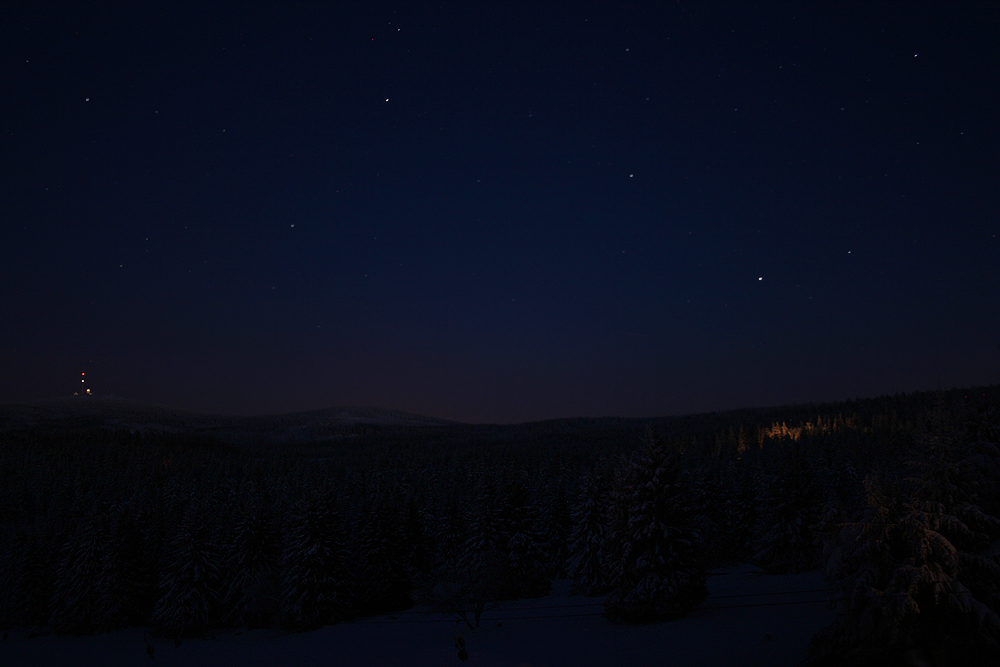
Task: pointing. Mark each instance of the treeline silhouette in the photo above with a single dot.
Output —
(898, 497)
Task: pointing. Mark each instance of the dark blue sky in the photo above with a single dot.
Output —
(498, 211)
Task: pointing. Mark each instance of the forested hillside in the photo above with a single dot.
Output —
(898, 498)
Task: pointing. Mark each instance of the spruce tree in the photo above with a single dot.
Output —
(129, 584)
(792, 509)
(916, 580)
(710, 504)
(316, 585)
(557, 522)
(189, 578)
(79, 601)
(451, 532)
(382, 562)
(526, 548)
(481, 566)
(656, 558)
(590, 515)
(417, 539)
(742, 510)
(253, 569)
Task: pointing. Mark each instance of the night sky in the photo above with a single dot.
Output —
(498, 211)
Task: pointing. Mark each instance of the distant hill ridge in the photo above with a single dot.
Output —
(114, 412)
(71, 413)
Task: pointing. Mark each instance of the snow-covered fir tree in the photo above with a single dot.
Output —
(917, 581)
(590, 515)
(128, 584)
(842, 485)
(481, 564)
(793, 504)
(316, 588)
(381, 557)
(527, 546)
(252, 568)
(417, 523)
(457, 583)
(710, 505)
(557, 526)
(742, 503)
(450, 529)
(189, 579)
(656, 560)
(79, 602)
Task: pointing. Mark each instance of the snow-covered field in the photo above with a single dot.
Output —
(749, 619)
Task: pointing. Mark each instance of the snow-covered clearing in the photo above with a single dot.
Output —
(749, 619)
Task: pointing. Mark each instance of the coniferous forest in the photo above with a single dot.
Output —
(897, 498)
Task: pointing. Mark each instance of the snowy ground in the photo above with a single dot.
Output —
(749, 619)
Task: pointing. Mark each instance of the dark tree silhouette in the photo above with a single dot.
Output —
(657, 562)
(189, 580)
(587, 566)
(316, 583)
